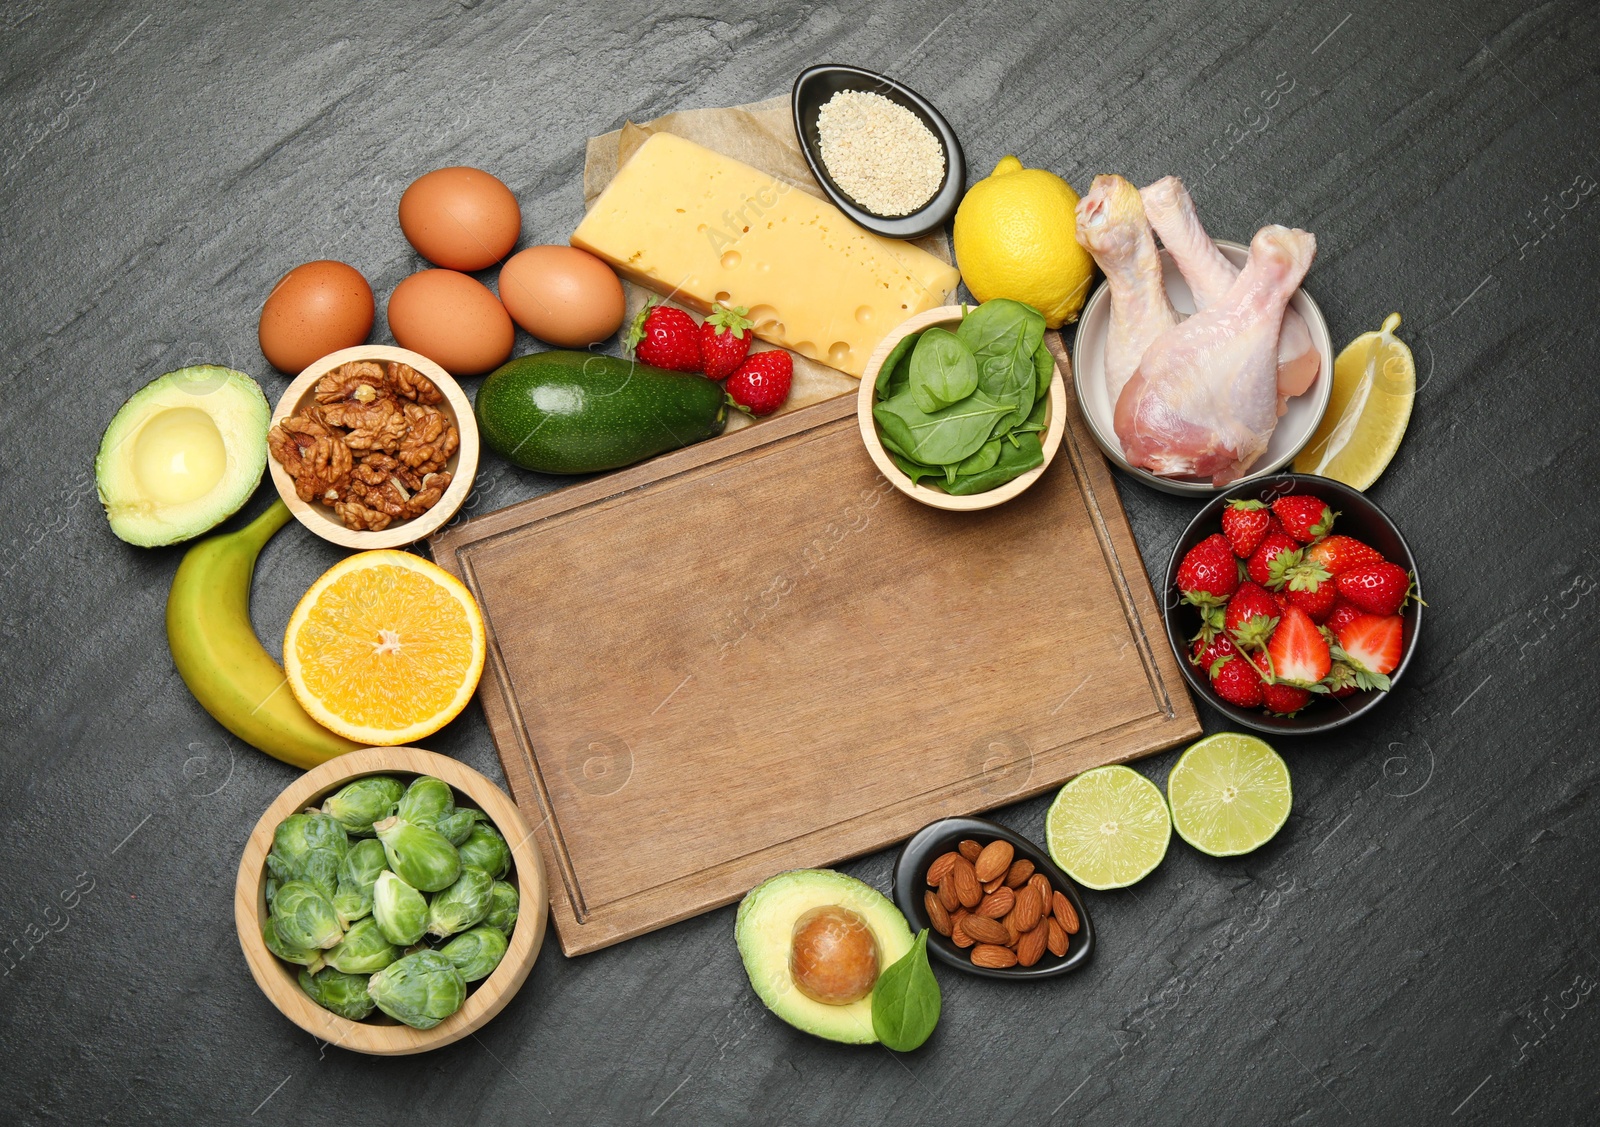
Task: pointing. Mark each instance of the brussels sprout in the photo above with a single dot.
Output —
(400, 911)
(461, 905)
(420, 990)
(306, 957)
(352, 899)
(271, 889)
(477, 952)
(363, 949)
(357, 805)
(458, 825)
(502, 907)
(426, 801)
(344, 994)
(308, 847)
(420, 856)
(485, 849)
(305, 917)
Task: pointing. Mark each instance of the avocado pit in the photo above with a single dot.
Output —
(833, 955)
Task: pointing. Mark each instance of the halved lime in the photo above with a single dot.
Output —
(1229, 794)
(1108, 828)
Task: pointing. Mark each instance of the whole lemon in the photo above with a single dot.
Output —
(1015, 237)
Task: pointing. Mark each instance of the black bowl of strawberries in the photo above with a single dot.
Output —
(1292, 604)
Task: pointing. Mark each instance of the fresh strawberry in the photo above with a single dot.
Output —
(1244, 523)
(666, 338)
(1205, 653)
(1341, 681)
(1342, 613)
(1251, 615)
(1317, 603)
(1299, 652)
(1284, 700)
(761, 384)
(1277, 553)
(1380, 588)
(1339, 554)
(1209, 574)
(724, 341)
(1304, 517)
(1236, 681)
(1371, 644)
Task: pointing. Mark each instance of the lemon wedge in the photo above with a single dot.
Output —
(1374, 384)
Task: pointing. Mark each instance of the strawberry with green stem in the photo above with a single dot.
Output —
(724, 341)
(665, 337)
(1209, 574)
(1305, 517)
(761, 384)
(1244, 523)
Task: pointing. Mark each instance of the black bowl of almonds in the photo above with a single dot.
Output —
(880, 150)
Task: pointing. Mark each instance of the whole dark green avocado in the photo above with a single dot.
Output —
(579, 412)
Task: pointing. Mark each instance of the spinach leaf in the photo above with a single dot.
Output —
(1036, 420)
(987, 455)
(1014, 461)
(942, 370)
(1003, 336)
(1044, 367)
(914, 470)
(891, 381)
(939, 438)
(906, 1000)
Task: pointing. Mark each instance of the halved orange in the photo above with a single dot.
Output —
(385, 648)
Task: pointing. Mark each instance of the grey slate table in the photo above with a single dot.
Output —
(1417, 945)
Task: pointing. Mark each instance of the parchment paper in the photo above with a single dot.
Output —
(761, 135)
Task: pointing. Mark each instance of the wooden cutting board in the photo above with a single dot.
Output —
(753, 655)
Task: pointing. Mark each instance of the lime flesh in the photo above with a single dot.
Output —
(1108, 828)
(1229, 793)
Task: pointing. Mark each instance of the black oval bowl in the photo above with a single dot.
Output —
(910, 882)
(813, 89)
(1358, 517)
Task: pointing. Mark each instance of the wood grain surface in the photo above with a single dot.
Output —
(753, 655)
(1404, 951)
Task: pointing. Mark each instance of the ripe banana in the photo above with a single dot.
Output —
(219, 657)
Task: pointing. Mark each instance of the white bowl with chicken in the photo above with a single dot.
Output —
(1207, 401)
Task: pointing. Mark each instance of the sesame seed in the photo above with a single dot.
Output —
(879, 153)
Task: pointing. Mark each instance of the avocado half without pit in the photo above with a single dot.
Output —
(814, 942)
(182, 455)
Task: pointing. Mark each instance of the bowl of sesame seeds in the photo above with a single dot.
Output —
(880, 150)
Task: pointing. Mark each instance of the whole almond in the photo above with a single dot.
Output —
(1056, 939)
(958, 928)
(984, 930)
(947, 893)
(941, 868)
(1028, 910)
(966, 883)
(1012, 934)
(1030, 948)
(998, 903)
(993, 955)
(1063, 910)
(995, 859)
(1018, 874)
(1041, 886)
(990, 885)
(938, 918)
(969, 849)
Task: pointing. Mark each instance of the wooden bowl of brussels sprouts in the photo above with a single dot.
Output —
(391, 901)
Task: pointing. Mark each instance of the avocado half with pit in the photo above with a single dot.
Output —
(813, 942)
(182, 455)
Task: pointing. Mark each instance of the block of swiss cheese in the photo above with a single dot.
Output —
(701, 228)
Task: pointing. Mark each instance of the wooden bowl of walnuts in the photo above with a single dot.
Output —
(373, 447)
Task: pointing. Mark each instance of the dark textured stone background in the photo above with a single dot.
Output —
(1415, 946)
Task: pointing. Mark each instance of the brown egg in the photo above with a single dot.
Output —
(314, 309)
(451, 319)
(562, 295)
(833, 956)
(460, 218)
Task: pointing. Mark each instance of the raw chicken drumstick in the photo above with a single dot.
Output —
(1113, 228)
(1209, 273)
(1204, 400)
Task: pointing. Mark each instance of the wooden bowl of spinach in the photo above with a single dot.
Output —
(962, 407)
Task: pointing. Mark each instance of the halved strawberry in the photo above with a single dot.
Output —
(1209, 574)
(1244, 523)
(1380, 588)
(1371, 645)
(1236, 681)
(1342, 613)
(1277, 553)
(1251, 615)
(1304, 517)
(1299, 652)
(1339, 554)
